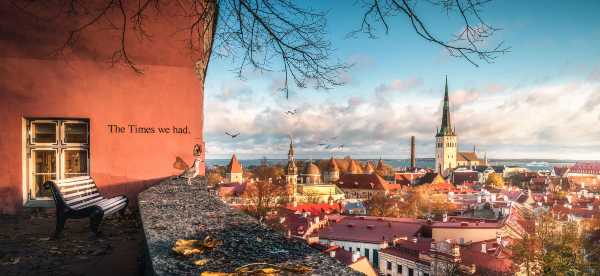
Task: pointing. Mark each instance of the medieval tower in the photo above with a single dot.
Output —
(291, 173)
(446, 144)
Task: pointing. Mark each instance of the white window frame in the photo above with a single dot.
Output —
(32, 174)
(63, 159)
(59, 147)
(63, 134)
(31, 136)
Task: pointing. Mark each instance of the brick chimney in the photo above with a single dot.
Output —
(413, 160)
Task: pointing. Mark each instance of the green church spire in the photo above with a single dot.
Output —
(446, 127)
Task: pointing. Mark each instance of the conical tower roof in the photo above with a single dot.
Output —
(446, 126)
(354, 167)
(234, 165)
(333, 166)
(369, 168)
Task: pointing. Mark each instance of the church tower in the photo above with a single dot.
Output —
(446, 144)
(291, 173)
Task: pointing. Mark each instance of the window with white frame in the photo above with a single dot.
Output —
(56, 149)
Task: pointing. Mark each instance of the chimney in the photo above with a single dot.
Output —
(413, 160)
(332, 253)
(483, 247)
(355, 256)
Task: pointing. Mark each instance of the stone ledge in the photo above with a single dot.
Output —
(173, 210)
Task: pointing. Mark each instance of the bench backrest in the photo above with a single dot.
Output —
(75, 192)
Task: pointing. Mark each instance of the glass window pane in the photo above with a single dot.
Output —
(75, 163)
(44, 165)
(76, 133)
(43, 132)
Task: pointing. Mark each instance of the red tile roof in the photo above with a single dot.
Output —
(561, 170)
(467, 156)
(407, 178)
(460, 177)
(316, 209)
(588, 167)
(365, 182)
(234, 165)
(497, 259)
(370, 229)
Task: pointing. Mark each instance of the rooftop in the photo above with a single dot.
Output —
(371, 229)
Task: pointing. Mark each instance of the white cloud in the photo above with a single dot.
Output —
(558, 120)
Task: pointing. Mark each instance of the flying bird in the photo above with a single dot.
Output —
(291, 112)
(232, 135)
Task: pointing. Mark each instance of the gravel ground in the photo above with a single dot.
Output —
(26, 247)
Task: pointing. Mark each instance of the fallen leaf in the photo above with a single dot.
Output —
(268, 271)
(201, 262)
(210, 242)
(211, 273)
(296, 268)
(187, 247)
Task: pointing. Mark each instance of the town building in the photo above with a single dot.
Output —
(235, 172)
(308, 186)
(447, 156)
(367, 235)
(76, 113)
(364, 186)
(446, 146)
(351, 259)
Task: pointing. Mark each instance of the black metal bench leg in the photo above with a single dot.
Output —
(95, 221)
(60, 224)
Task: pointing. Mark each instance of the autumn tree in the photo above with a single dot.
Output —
(495, 181)
(266, 36)
(381, 205)
(264, 172)
(215, 175)
(554, 247)
(260, 197)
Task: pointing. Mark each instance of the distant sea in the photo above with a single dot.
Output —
(531, 164)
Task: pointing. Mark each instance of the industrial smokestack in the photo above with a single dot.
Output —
(413, 160)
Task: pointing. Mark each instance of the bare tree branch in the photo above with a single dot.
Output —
(467, 44)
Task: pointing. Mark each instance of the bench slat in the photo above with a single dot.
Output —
(107, 204)
(70, 196)
(77, 188)
(75, 183)
(71, 179)
(83, 198)
(86, 204)
(115, 208)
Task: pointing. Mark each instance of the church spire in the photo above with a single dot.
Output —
(446, 127)
(291, 152)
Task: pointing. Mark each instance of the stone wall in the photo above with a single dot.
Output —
(174, 210)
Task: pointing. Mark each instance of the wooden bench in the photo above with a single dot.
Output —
(78, 197)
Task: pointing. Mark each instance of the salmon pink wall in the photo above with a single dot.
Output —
(121, 163)
(84, 84)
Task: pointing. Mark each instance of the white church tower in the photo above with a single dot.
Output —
(446, 147)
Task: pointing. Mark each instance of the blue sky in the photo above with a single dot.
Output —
(540, 100)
